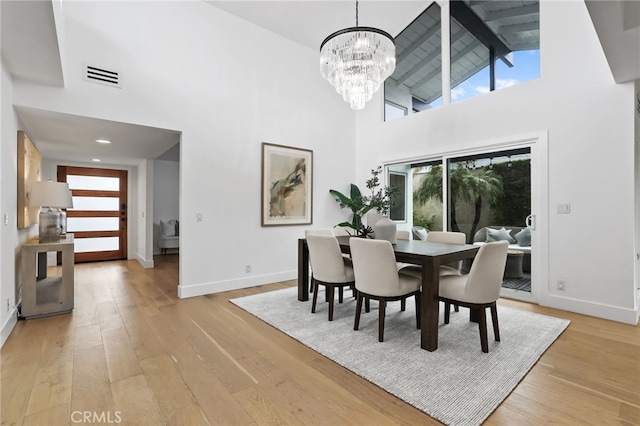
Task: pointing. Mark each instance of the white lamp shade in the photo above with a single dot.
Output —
(50, 194)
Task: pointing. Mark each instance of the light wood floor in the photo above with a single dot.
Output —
(133, 353)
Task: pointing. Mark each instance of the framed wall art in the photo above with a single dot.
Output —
(287, 185)
(29, 161)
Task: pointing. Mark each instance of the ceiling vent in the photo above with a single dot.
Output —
(101, 75)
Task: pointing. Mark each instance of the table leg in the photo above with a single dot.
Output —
(303, 270)
(429, 304)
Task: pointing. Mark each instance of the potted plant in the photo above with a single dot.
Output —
(381, 199)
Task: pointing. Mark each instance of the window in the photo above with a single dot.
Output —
(398, 211)
(416, 83)
(427, 195)
(494, 45)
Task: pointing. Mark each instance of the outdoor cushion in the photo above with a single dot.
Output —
(501, 234)
(524, 237)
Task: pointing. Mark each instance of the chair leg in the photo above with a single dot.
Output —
(456, 308)
(340, 294)
(403, 305)
(418, 314)
(483, 329)
(494, 318)
(356, 322)
(367, 305)
(315, 299)
(330, 299)
(312, 285)
(382, 308)
(447, 308)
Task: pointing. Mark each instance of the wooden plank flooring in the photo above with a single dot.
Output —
(133, 353)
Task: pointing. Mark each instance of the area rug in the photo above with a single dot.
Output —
(457, 384)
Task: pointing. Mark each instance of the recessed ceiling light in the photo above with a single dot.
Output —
(96, 160)
(105, 141)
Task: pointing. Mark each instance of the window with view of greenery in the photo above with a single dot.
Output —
(491, 189)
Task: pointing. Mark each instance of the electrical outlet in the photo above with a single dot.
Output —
(562, 285)
(247, 268)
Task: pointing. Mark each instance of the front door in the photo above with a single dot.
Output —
(98, 218)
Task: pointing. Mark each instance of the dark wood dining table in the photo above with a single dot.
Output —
(429, 255)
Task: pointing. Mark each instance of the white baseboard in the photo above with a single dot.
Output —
(599, 310)
(8, 327)
(144, 262)
(220, 286)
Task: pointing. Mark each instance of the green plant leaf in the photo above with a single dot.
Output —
(355, 192)
(343, 199)
(346, 225)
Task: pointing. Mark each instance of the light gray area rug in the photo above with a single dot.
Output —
(456, 384)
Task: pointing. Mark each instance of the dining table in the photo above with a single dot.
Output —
(428, 255)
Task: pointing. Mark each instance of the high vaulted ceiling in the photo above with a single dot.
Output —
(306, 22)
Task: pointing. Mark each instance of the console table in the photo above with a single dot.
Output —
(43, 295)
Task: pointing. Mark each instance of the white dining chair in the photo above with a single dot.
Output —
(447, 269)
(478, 290)
(403, 235)
(331, 232)
(448, 238)
(440, 237)
(377, 277)
(329, 268)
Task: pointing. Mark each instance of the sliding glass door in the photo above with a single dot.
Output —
(489, 199)
(486, 196)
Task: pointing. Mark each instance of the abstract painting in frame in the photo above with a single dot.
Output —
(287, 184)
(29, 160)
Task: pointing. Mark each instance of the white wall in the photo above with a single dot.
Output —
(143, 211)
(10, 236)
(590, 158)
(166, 195)
(637, 196)
(181, 71)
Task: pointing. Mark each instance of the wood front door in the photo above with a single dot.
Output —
(98, 218)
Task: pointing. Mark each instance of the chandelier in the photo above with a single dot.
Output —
(356, 61)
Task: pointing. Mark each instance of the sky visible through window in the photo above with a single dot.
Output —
(526, 67)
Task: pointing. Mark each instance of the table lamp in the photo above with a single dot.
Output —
(51, 196)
